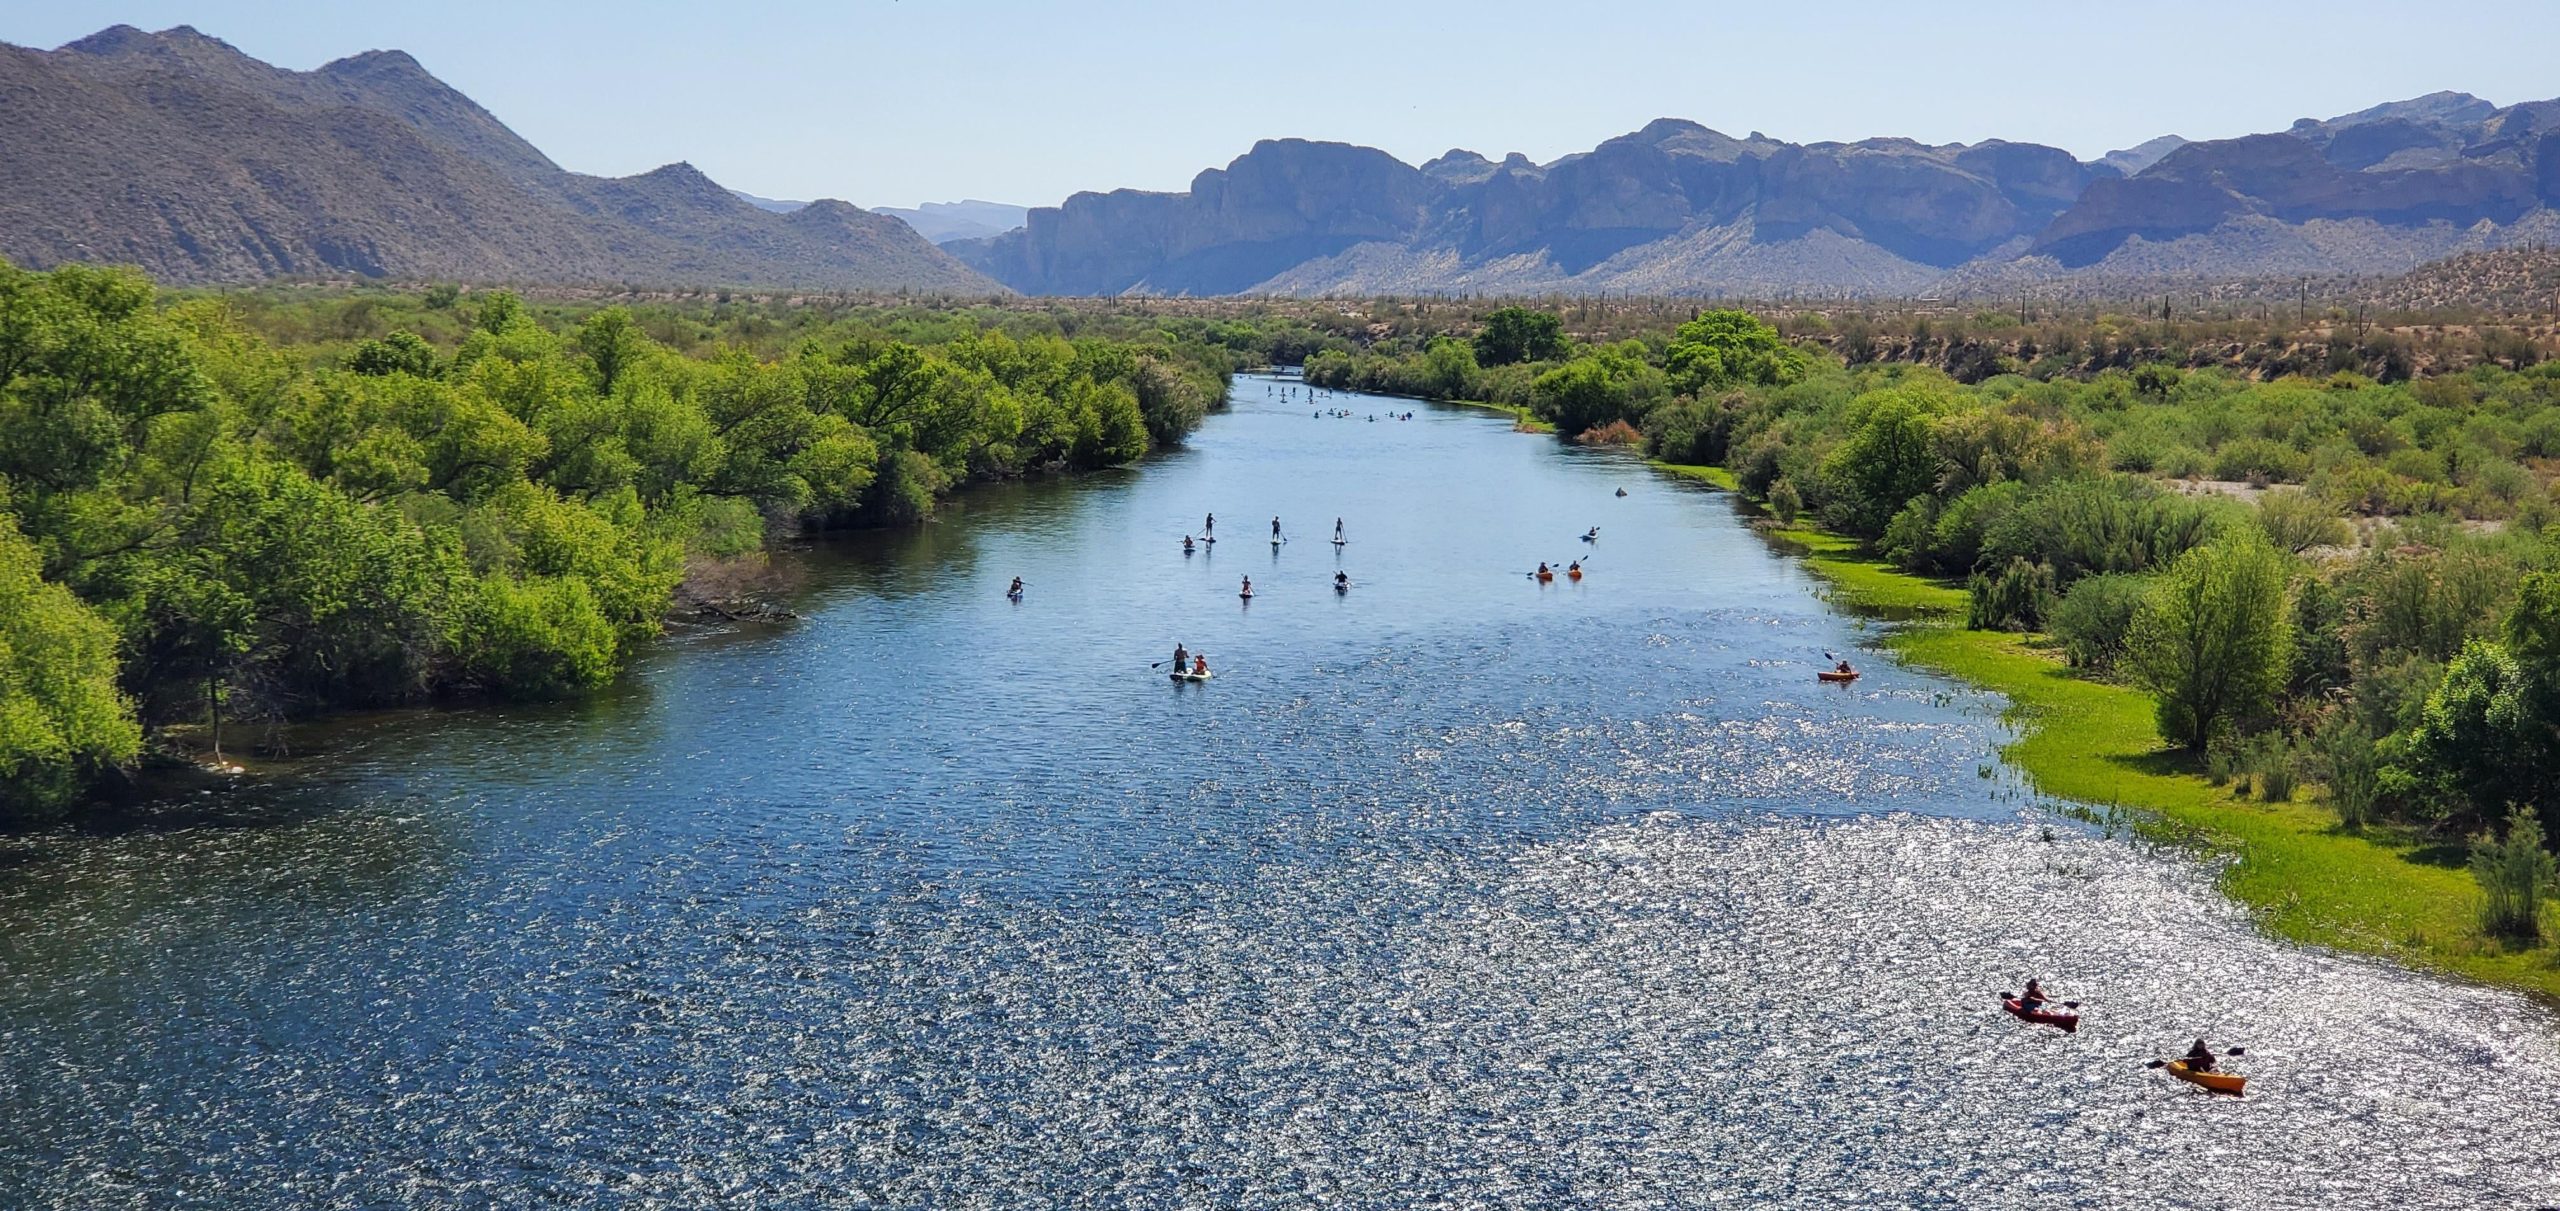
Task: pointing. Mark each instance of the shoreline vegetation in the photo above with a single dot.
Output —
(225, 512)
(2385, 891)
(2303, 611)
(2294, 588)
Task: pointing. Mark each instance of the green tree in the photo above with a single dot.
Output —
(2213, 639)
(1731, 348)
(1614, 383)
(398, 353)
(62, 720)
(1518, 334)
(1886, 461)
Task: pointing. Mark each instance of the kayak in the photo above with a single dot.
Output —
(1575, 574)
(2217, 1082)
(1544, 577)
(1834, 675)
(2069, 1022)
(1013, 596)
(1342, 588)
(1193, 676)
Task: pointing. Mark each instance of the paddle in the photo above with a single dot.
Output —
(2011, 996)
(2165, 1063)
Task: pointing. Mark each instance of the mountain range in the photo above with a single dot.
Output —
(176, 152)
(1678, 208)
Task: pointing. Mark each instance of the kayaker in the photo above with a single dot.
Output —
(1574, 569)
(1016, 590)
(2033, 997)
(1844, 669)
(1342, 580)
(1199, 666)
(1186, 544)
(1591, 534)
(1181, 656)
(2199, 1057)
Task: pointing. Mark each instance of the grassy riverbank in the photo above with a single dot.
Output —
(2384, 891)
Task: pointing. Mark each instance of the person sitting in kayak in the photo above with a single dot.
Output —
(1543, 572)
(1016, 590)
(1248, 587)
(1574, 568)
(2033, 998)
(1342, 580)
(1186, 544)
(1844, 669)
(1592, 533)
(1199, 666)
(2199, 1057)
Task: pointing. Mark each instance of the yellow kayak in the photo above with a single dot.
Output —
(2218, 1082)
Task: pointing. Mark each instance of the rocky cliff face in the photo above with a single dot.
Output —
(175, 152)
(1606, 218)
(2446, 167)
(1677, 207)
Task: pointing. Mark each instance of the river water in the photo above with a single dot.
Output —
(1455, 890)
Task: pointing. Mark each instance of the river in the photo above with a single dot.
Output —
(1453, 890)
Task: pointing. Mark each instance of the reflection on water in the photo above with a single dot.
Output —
(1455, 890)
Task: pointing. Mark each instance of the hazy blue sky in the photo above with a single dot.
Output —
(891, 102)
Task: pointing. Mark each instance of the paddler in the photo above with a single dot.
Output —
(2199, 1057)
(2033, 997)
(1181, 656)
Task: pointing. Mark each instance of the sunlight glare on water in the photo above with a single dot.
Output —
(1454, 890)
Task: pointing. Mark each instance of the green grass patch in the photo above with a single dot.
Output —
(1713, 477)
(1519, 414)
(2380, 892)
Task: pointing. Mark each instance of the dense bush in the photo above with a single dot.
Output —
(197, 522)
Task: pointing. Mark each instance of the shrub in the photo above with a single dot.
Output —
(2015, 600)
(2343, 754)
(1784, 501)
(2514, 875)
(2093, 619)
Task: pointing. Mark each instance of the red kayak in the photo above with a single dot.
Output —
(2069, 1022)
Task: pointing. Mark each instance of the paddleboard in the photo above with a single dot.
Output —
(1193, 676)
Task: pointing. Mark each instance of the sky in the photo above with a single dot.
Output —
(894, 102)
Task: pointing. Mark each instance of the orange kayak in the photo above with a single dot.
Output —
(1835, 675)
(2218, 1082)
(2069, 1022)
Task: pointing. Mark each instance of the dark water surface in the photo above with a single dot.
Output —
(1454, 891)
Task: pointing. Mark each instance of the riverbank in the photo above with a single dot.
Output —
(2383, 892)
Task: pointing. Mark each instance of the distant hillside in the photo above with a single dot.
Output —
(1677, 208)
(175, 152)
(2508, 280)
(944, 222)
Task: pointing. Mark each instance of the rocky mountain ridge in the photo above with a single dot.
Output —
(1678, 208)
(176, 152)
